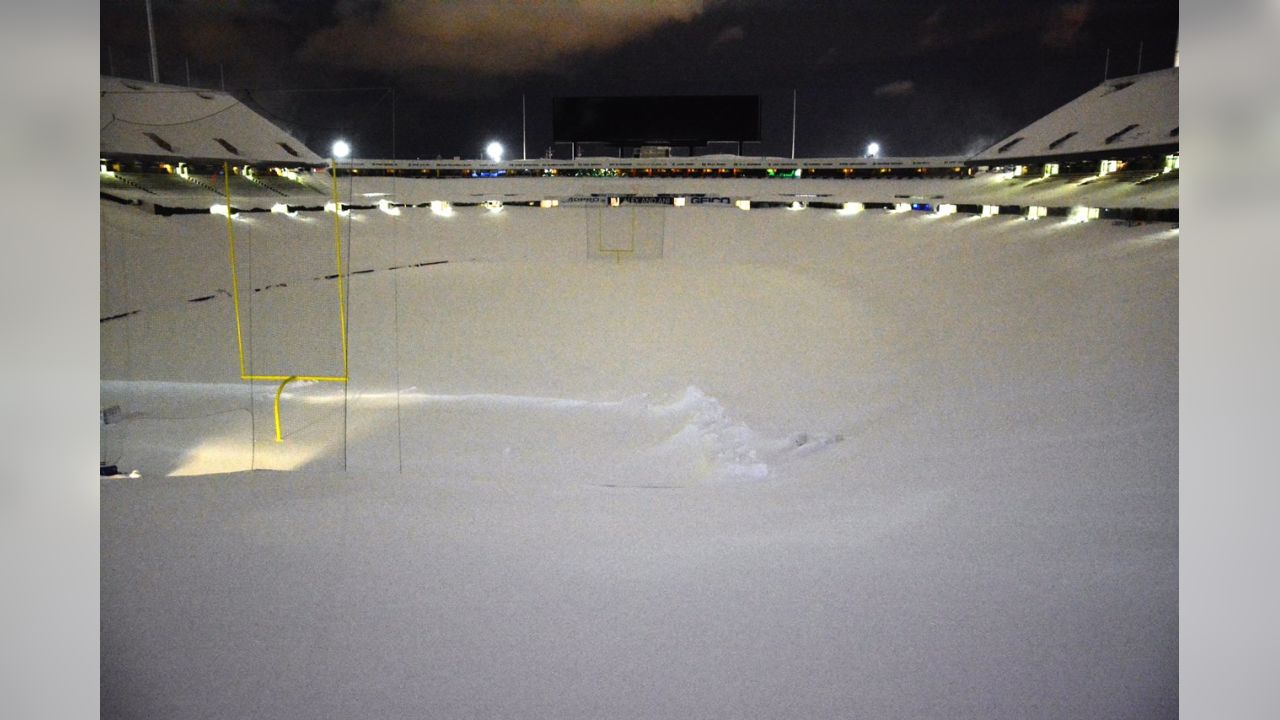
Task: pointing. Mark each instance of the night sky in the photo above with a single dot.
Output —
(921, 78)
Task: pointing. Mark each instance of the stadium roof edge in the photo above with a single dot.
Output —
(173, 122)
(1120, 117)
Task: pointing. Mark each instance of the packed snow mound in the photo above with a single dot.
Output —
(736, 450)
(709, 429)
(638, 442)
(671, 440)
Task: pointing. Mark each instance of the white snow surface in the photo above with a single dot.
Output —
(769, 464)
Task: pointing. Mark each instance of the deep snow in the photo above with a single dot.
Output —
(774, 464)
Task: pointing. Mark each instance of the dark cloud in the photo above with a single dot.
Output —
(733, 33)
(1057, 26)
(1068, 21)
(899, 88)
(831, 56)
(931, 33)
(486, 37)
(461, 72)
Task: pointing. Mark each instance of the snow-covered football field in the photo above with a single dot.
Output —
(762, 464)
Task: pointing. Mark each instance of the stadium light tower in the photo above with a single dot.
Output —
(873, 149)
(341, 149)
(494, 151)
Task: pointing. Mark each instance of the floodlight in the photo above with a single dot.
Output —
(494, 151)
(873, 150)
(341, 149)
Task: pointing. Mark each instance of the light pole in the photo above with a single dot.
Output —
(151, 34)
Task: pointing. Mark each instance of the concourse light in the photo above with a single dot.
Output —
(946, 209)
(796, 205)
(283, 209)
(549, 203)
(385, 206)
(873, 149)
(850, 208)
(441, 208)
(678, 201)
(743, 204)
(493, 206)
(341, 149)
(335, 207)
(494, 151)
(220, 209)
(1081, 214)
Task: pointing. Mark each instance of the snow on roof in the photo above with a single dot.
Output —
(1122, 114)
(141, 118)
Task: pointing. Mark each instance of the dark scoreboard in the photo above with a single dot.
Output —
(656, 119)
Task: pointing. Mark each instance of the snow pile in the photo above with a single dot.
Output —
(736, 450)
(708, 427)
